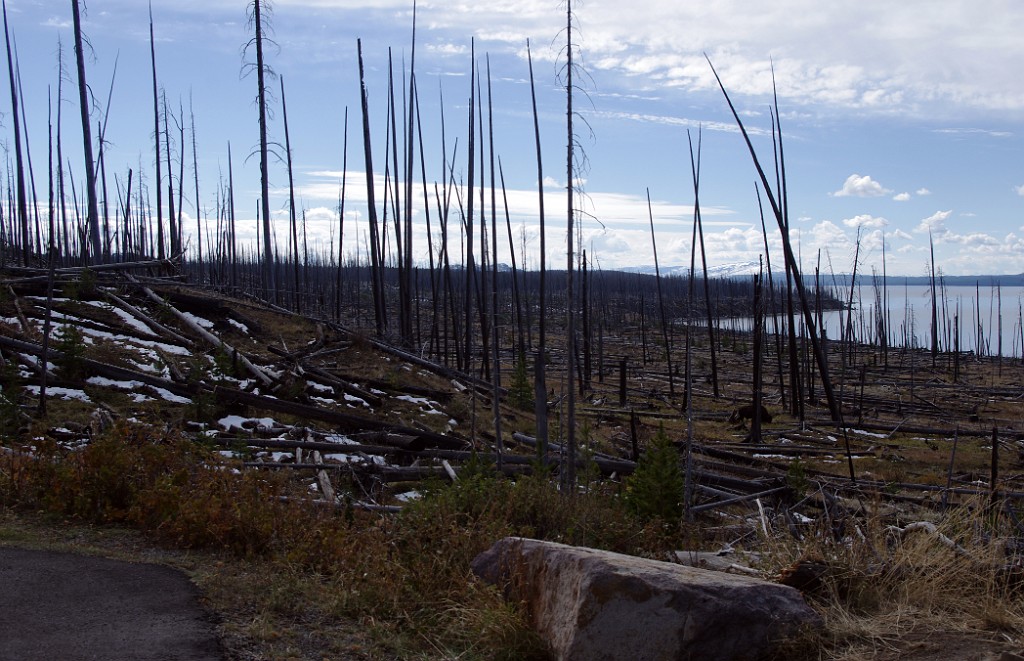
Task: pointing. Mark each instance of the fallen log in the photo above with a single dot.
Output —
(153, 324)
(225, 395)
(209, 337)
(907, 429)
(337, 382)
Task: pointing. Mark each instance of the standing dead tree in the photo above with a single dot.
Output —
(258, 13)
(93, 213)
(19, 167)
(780, 217)
(540, 387)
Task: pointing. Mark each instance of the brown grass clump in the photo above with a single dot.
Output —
(880, 581)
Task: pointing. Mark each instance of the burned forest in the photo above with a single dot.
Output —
(364, 421)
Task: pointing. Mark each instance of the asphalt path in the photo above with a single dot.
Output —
(74, 607)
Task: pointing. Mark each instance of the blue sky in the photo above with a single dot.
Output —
(899, 118)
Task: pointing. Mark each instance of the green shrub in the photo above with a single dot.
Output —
(655, 490)
(520, 390)
(71, 345)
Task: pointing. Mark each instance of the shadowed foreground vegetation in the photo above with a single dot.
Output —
(290, 580)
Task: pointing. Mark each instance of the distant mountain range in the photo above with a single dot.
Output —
(748, 269)
(734, 270)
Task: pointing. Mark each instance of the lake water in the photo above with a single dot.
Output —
(962, 313)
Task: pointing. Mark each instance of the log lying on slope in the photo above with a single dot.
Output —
(256, 371)
(340, 419)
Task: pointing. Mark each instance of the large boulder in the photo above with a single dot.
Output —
(591, 605)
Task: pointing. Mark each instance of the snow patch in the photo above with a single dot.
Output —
(63, 393)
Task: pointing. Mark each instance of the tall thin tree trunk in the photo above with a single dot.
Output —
(92, 207)
(22, 212)
(156, 137)
(935, 303)
(661, 300)
(569, 466)
(233, 244)
(195, 171)
(470, 267)
(540, 386)
(172, 223)
(341, 215)
(371, 205)
(291, 198)
(708, 308)
(269, 285)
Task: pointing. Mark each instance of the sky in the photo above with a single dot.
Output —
(900, 120)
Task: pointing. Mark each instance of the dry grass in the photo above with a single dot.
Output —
(294, 581)
(888, 582)
(294, 575)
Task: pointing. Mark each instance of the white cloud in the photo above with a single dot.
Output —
(861, 186)
(902, 197)
(1019, 189)
(923, 191)
(974, 131)
(678, 121)
(448, 49)
(865, 220)
(935, 223)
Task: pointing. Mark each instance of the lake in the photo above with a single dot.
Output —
(968, 317)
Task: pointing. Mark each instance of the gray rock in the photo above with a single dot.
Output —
(592, 605)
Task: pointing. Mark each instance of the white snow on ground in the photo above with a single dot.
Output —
(319, 387)
(353, 398)
(344, 458)
(235, 422)
(408, 496)
(91, 333)
(35, 361)
(111, 383)
(413, 400)
(205, 323)
(138, 397)
(173, 349)
(428, 407)
(353, 459)
(339, 438)
(323, 400)
(866, 433)
(171, 397)
(125, 316)
(63, 393)
(239, 325)
(274, 456)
